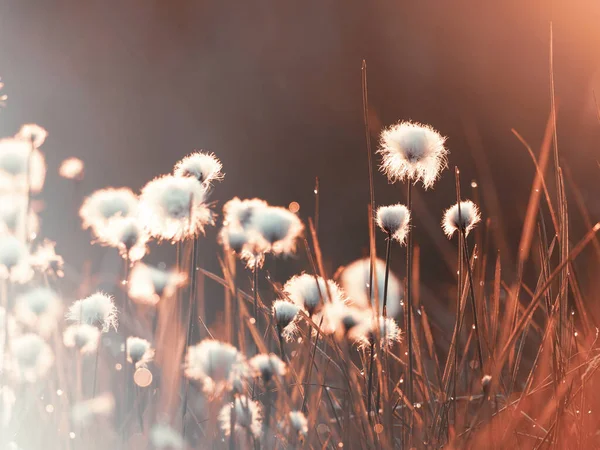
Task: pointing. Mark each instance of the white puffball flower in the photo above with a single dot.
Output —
(286, 318)
(14, 260)
(204, 167)
(413, 152)
(354, 280)
(45, 258)
(274, 230)
(72, 169)
(248, 416)
(139, 351)
(239, 213)
(32, 133)
(83, 337)
(298, 423)
(128, 235)
(173, 208)
(98, 309)
(268, 366)
(394, 220)
(105, 204)
(21, 166)
(469, 217)
(366, 332)
(39, 308)
(164, 436)
(15, 218)
(148, 285)
(86, 412)
(31, 357)
(215, 364)
(339, 318)
(309, 291)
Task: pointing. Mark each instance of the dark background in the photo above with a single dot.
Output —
(274, 89)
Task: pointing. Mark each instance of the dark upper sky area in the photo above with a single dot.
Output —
(274, 89)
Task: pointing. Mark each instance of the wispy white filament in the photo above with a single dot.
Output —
(204, 167)
(286, 317)
(98, 309)
(308, 291)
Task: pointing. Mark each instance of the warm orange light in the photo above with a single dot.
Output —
(294, 207)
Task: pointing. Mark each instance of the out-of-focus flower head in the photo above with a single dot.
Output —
(98, 309)
(86, 412)
(274, 230)
(104, 205)
(44, 258)
(248, 416)
(30, 357)
(174, 208)
(268, 366)
(82, 336)
(413, 152)
(286, 318)
(139, 351)
(354, 280)
(21, 166)
(33, 134)
(394, 220)
(15, 219)
(204, 167)
(215, 364)
(164, 436)
(147, 284)
(72, 169)
(295, 424)
(387, 329)
(339, 318)
(14, 259)
(466, 221)
(309, 291)
(40, 309)
(128, 235)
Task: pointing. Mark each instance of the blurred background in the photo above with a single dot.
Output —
(274, 90)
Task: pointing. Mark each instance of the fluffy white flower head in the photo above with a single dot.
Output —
(21, 166)
(98, 309)
(394, 220)
(14, 259)
(31, 357)
(268, 366)
(286, 318)
(204, 167)
(164, 436)
(465, 221)
(85, 412)
(32, 133)
(71, 169)
(215, 364)
(354, 279)
(275, 230)
(128, 235)
(139, 351)
(83, 337)
(385, 327)
(105, 204)
(414, 152)
(308, 291)
(147, 284)
(173, 208)
(298, 422)
(248, 416)
(45, 258)
(39, 308)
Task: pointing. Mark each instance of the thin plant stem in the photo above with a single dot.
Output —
(472, 295)
(370, 380)
(96, 367)
(255, 290)
(388, 254)
(409, 249)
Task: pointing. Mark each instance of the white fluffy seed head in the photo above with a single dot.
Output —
(40, 309)
(286, 318)
(173, 208)
(465, 221)
(413, 152)
(298, 422)
(248, 416)
(7, 403)
(267, 366)
(354, 279)
(339, 318)
(394, 220)
(21, 166)
(105, 204)
(309, 292)
(71, 169)
(204, 167)
(15, 218)
(32, 134)
(45, 259)
(83, 337)
(215, 364)
(164, 436)
(30, 357)
(386, 328)
(84, 413)
(139, 351)
(239, 213)
(274, 230)
(233, 239)
(98, 309)
(128, 235)
(15, 261)
(148, 285)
